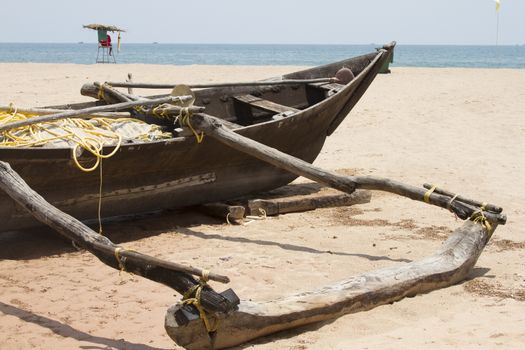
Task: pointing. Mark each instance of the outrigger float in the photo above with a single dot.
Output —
(258, 136)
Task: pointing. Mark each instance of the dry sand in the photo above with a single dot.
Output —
(461, 128)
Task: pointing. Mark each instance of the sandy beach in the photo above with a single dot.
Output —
(463, 129)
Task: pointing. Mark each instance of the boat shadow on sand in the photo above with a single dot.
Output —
(66, 331)
(43, 242)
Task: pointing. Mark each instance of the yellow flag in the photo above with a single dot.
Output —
(498, 4)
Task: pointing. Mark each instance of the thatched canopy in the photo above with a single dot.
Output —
(97, 26)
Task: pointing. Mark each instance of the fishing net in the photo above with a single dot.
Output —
(91, 135)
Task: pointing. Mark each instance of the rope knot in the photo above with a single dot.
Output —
(196, 301)
(184, 117)
(426, 196)
(119, 259)
(479, 217)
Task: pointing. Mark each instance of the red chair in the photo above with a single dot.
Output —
(107, 50)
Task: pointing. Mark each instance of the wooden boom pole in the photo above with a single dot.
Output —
(213, 127)
(90, 110)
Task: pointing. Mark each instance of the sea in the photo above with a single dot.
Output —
(267, 54)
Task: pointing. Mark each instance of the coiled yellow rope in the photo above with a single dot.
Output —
(95, 134)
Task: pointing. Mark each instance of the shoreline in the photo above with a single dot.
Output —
(475, 56)
(270, 66)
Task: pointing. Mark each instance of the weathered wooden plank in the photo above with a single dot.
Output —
(449, 265)
(308, 202)
(223, 211)
(265, 105)
(329, 87)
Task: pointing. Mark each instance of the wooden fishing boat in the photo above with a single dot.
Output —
(259, 136)
(294, 118)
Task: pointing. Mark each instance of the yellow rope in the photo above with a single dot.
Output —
(160, 112)
(185, 116)
(449, 204)
(117, 256)
(141, 109)
(196, 301)
(426, 196)
(101, 94)
(99, 212)
(479, 217)
(121, 260)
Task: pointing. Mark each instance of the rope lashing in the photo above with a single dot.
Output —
(449, 204)
(479, 217)
(141, 110)
(119, 261)
(196, 301)
(101, 95)
(184, 118)
(426, 196)
(160, 112)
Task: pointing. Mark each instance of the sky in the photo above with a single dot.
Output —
(449, 22)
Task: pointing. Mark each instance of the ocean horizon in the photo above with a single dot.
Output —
(465, 56)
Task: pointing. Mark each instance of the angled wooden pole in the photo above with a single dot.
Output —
(213, 127)
(47, 111)
(87, 111)
(130, 84)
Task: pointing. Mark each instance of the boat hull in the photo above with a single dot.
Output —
(179, 172)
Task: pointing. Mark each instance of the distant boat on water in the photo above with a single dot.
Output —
(155, 42)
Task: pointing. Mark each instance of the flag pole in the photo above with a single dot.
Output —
(498, 4)
(497, 28)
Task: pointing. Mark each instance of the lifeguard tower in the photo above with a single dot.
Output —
(105, 53)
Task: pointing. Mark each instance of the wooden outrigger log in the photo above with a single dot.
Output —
(449, 265)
